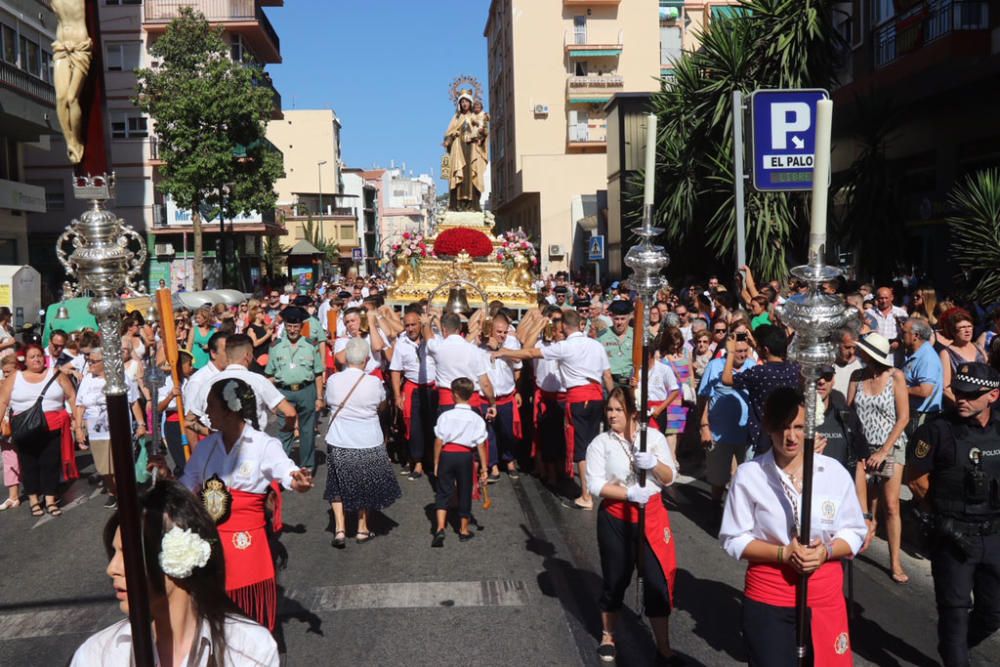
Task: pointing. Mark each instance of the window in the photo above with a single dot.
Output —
(46, 66)
(9, 37)
(579, 29)
(884, 10)
(670, 44)
(124, 56)
(130, 192)
(347, 232)
(236, 49)
(31, 56)
(8, 159)
(55, 195)
(128, 125)
(580, 68)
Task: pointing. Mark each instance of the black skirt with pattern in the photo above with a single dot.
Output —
(361, 478)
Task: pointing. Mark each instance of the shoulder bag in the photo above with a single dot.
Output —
(30, 424)
(344, 402)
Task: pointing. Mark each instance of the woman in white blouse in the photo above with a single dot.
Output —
(613, 464)
(194, 623)
(759, 525)
(360, 477)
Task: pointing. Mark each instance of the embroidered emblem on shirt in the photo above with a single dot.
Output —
(245, 469)
(829, 510)
(666, 536)
(841, 644)
(242, 540)
(922, 449)
(216, 498)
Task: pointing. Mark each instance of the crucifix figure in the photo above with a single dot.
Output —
(72, 54)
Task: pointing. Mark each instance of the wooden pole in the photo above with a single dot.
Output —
(165, 311)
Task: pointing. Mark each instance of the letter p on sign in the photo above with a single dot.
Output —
(788, 118)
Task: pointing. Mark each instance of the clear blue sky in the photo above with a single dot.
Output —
(384, 66)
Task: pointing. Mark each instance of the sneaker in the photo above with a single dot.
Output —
(513, 473)
(404, 471)
(606, 652)
(494, 478)
(111, 503)
(415, 476)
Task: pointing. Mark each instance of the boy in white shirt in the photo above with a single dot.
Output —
(457, 433)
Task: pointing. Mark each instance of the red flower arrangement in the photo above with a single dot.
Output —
(453, 241)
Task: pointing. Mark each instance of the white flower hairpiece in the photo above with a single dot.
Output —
(232, 400)
(182, 550)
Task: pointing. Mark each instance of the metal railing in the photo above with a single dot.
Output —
(584, 134)
(20, 81)
(164, 11)
(597, 81)
(926, 23)
(582, 39)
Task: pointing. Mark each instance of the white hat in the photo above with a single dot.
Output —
(877, 347)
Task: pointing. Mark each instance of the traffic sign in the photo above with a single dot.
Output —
(596, 253)
(783, 126)
(356, 254)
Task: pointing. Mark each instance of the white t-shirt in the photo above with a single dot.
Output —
(501, 371)
(247, 644)
(547, 375)
(662, 381)
(762, 499)
(357, 425)
(412, 360)
(90, 396)
(374, 358)
(202, 376)
(268, 396)
(251, 465)
(455, 357)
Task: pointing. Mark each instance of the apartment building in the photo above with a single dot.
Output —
(128, 28)
(681, 21)
(27, 112)
(313, 188)
(408, 205)
(937, 63)
(553, 67)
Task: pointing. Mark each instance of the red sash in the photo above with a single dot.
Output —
(654, 422)
(510, 399)
(582, 394)
(172, 416)
(657, 532)
(249, 569)
(378, 373)
(455, 448)
(538, 411)
(774, 585)
(409, 388)
(58, 420)
(445, 398)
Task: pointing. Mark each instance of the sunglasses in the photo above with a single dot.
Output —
(719, 331)
(826, 377)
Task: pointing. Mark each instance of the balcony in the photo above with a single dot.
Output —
(593, 88)
(589, 137)
(591, 3)
(19, 81)
(245, 17)
(927, 23)
(583, 44)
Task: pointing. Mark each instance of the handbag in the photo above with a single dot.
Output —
(688, 397)
(30, 424)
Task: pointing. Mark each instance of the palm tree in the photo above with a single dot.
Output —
(772, 44)
(975, 232)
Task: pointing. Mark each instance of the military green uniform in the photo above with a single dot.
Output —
(316, 333)
(619, 352)
(294, 369)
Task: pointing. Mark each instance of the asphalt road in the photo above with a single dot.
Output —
(523, 592)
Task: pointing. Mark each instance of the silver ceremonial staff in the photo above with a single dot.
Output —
(646, 260)
(814, 316)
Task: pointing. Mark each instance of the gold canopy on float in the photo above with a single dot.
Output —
(513, 286)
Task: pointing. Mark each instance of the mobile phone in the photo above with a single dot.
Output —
(741, 336)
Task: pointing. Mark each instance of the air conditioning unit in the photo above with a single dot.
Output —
(164, 248)
(556, 250)
(541, 109)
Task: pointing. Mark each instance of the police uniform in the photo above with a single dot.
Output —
(312, 328)
(295, 368)
(619, 349)
(962, 459)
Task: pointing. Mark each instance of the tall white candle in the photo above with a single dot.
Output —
(821, 180)
(650, 159)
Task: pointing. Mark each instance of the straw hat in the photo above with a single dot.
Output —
(877, 347)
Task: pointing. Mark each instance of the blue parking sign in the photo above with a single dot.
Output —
(784, 138)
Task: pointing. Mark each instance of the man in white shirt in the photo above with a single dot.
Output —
(455, 357)
(412, 374)
(882, 318)
(847, 360)
(584, 366)
(239, 354)
(505, 431)
(203, 377)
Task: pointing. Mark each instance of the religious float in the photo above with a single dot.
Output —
(464, 256)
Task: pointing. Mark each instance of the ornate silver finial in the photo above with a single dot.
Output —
(647, 260)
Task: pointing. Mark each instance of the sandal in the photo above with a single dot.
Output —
(36, 509)
(53, 509)
(900, 577)
(339, 540)
(368, 536)
(9, 504)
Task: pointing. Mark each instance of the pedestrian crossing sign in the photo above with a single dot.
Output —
(596, 253)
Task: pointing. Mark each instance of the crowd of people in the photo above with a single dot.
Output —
(465, 399)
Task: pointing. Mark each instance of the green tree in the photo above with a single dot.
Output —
(975, 232)
(312, 232)
(274, 255)
(210, 116)
(770, 44)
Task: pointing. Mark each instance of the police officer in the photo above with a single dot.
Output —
(617, 342)
(312, 329)
(953, 468)
(296, 368)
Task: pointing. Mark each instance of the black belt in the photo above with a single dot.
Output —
(293, 387)
(977, 528)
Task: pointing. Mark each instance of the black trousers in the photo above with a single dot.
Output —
(41, 460)
(423, 416)
(172, 436)
(500, 431)
(958, 578)
(587, 418)
(769, 633)
(552, 431)
(617, 542)
(455, 468)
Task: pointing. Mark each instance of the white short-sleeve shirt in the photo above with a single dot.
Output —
(356, 425)
(268, 396)
(454, 357)
(581, 360)
(411, 359)
(610, 456)
(251, 465)
(461, 426)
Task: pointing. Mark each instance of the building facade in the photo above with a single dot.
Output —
(128, 28)
(936, 63)
(553, 67)
(27, 113)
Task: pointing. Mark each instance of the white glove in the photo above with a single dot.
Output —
(642, 494)
(645, 460)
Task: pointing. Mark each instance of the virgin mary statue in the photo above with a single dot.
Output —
(465, 141)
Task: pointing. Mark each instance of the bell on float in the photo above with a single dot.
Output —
(458, 301)
(62, 313)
